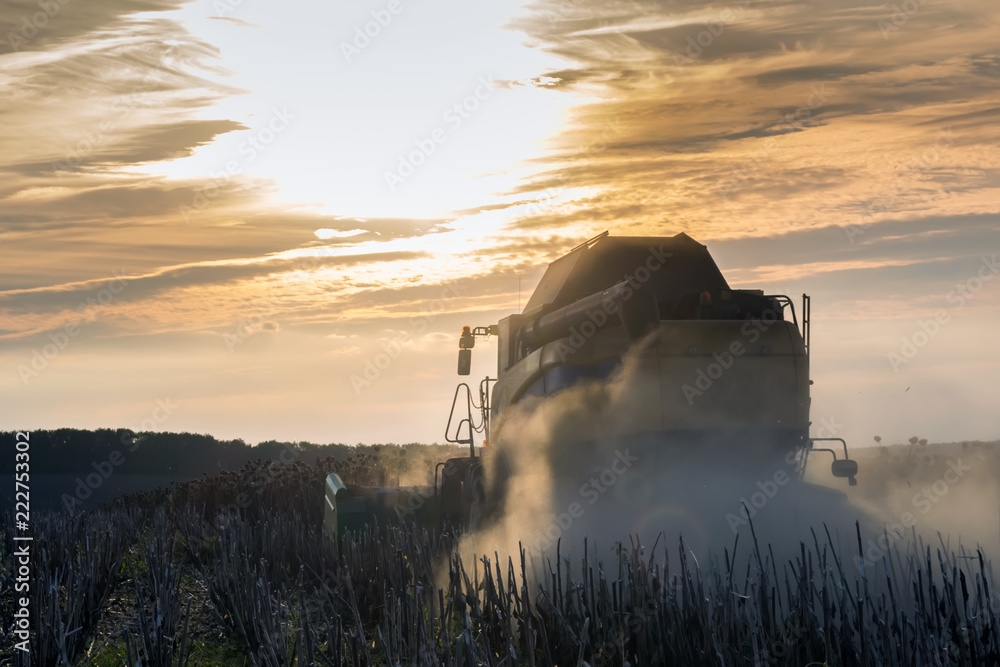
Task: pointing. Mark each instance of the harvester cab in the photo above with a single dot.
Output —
(711, 366)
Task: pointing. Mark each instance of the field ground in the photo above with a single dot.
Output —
(179, 576)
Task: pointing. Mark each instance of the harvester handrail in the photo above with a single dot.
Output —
(821, 449)
(811, 448)
(451, 415)
(473, 428)
(785, 300)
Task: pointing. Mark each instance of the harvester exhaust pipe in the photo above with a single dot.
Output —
(637, 311)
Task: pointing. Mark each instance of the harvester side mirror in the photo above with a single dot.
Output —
(464, 361)
(845, 468)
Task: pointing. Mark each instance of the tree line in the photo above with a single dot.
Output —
(72, 451)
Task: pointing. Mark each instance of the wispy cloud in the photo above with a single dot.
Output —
(846, 148)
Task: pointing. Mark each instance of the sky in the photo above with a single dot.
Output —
(218, 216)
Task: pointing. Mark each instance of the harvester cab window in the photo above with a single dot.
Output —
(723, 304)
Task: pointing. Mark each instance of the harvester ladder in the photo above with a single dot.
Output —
(806, 319)
(467, 421)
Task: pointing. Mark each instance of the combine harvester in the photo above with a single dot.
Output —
(719, 372)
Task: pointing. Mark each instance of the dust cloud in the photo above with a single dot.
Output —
(570, 478)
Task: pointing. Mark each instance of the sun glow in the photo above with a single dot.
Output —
(414, 144)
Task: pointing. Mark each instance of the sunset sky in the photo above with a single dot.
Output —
(231, 207)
